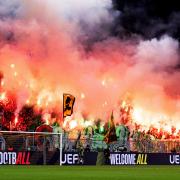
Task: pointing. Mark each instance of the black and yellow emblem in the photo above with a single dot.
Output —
(68, 103)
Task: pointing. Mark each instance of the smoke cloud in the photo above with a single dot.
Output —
(51, 47)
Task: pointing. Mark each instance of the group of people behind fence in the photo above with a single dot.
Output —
(134, 143)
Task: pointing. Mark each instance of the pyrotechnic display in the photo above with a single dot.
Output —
(89, 76)
(57, 47)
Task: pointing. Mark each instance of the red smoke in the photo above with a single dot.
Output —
(46, 58)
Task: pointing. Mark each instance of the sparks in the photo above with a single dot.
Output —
(16, 120)
(3, 96)
(15, 74)
(12, 66)
(103, 82)
(82, 95)
(2, 82)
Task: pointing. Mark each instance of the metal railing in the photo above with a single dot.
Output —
(30, 142)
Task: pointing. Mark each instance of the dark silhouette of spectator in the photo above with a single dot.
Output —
(107, 156)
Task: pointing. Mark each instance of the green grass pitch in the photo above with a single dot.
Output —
(89, 172)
